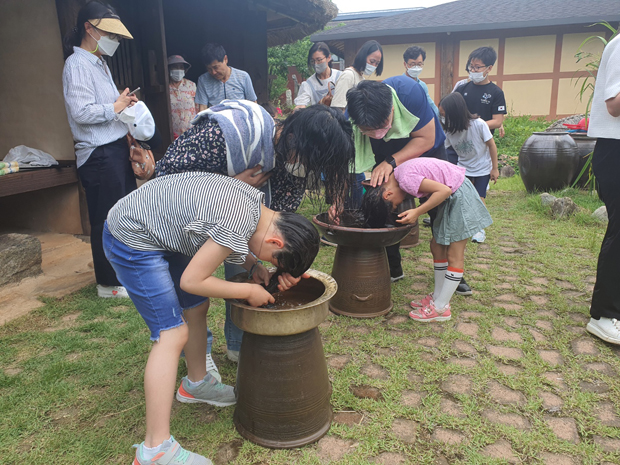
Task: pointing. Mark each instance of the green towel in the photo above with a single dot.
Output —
(402, 126)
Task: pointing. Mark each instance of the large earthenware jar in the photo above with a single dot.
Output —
(585, 146)
(548, 161)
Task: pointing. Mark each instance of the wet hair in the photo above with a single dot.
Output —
(360, 59)
(92, 10)
(413, 53)
(487, 55)
(212, 52)
(370, 104)
(321, 139)
(301, 243)
(318, 47)
(375, 208)
(456, 113)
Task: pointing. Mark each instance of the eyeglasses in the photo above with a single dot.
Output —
(476, 69)
(318, 62)
(413, 65)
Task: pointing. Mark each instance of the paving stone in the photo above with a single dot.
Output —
(462, 362)
(469, 329)
(501, 335)
(551, 402)
(606, 414)
(338, 361)
(469, 314)
(366, 392)
(504, 395)
(552, 357)
(538, 280)
(507, 298)
(505, 352)
(358, 330)
(535, 289)
(508, 370)
(564, 284)
(578, 330)
(348, 418)
(545, 313)
(415, 379)
(504, 286)
(607, 444)
(386, 351)
(538, 337)
(412, 398)
(390, 458)
(584, 347)
(564, 428)
(512, 321)
(457, 384)
(441, 461)
(511, 307)
(544, 324)
(509, 278)
(228, 452)
(447, 436)
(428, 357)
(539, 299)
(596, 387)
(330, 448)
(557, 459)
(452, 408)
(464, 347)
(600, 367)
(397, 319)
(420, 286)
(429, 341)
(404, 430)
(555, 379)
(579, 317)
(507, 419)
(501, 450)
(482, 266)
(474, 274)
(375, 371)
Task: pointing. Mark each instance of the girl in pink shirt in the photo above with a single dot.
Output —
(460, 215)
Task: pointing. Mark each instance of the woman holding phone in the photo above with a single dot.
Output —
(93, 106)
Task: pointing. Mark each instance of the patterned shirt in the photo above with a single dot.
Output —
(211, 91)
(90, 94)
(180, 212)
(182, 106)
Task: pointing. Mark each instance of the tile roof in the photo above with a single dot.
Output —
(478, 15)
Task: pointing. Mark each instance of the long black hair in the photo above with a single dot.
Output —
(321, 139)
(457, 116)
(375, 208)
(301, 243)
(92, 10)
(360, 59)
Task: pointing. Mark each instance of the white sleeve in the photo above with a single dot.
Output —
(304, 97)
(612, 73)
(484, 128)
(344, 83)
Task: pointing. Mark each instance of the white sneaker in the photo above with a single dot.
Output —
(608, 329)
(212, 368)
(107, 292)
(479, 237)
(233, 355)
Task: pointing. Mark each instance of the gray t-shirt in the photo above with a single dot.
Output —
(210, 91)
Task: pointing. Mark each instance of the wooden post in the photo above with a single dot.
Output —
(446, 55)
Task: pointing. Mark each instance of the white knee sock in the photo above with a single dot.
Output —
(452, 278)
(440, 267)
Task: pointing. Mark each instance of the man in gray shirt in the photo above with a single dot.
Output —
(221, 81)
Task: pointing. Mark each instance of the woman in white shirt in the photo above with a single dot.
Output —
(319, 87)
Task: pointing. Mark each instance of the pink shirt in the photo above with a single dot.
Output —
(410, 174)
(182, 106)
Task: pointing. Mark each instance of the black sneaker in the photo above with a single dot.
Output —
(463, 288)
(426, 221)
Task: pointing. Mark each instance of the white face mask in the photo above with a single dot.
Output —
(414, 71)
(321, 67)
(177, 74)
(106, 45)
(477, 77)
(369, 69)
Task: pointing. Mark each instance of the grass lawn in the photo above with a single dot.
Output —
(512, 378)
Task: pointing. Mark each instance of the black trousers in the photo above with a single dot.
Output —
(606, 166)
(107, 176)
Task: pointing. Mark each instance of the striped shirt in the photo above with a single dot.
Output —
(211, 91)
(180, 212)
(90, 94)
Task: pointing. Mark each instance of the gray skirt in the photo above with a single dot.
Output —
(460, 216)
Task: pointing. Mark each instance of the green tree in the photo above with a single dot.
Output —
(281, 57)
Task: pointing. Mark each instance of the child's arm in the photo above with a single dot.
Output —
(493, 152)
(439, 192)
(197, 278)
(496, 121)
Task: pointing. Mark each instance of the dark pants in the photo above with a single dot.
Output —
(606, 166)
(107, 177)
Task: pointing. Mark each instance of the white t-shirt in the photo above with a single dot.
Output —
(312, 90)
(348, 79)
(607, 86)
(471, 147)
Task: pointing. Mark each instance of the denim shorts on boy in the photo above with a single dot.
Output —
(480, 183)
(152, 279)
(460, 216)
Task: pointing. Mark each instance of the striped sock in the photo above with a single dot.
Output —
(440, 267)
(451, 281)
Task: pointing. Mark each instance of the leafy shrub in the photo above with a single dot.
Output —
(518, 129)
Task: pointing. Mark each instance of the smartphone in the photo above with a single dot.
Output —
(133, 91)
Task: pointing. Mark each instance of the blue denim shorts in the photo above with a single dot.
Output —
(152, 279)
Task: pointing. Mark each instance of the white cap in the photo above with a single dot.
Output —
(139, 120)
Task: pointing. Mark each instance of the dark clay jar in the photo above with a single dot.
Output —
(585, 146)
(548, 161)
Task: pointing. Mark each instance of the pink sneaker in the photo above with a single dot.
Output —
(415, 304)
(430, 313)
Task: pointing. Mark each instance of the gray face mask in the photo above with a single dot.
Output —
(369, 69)
(320, 68)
